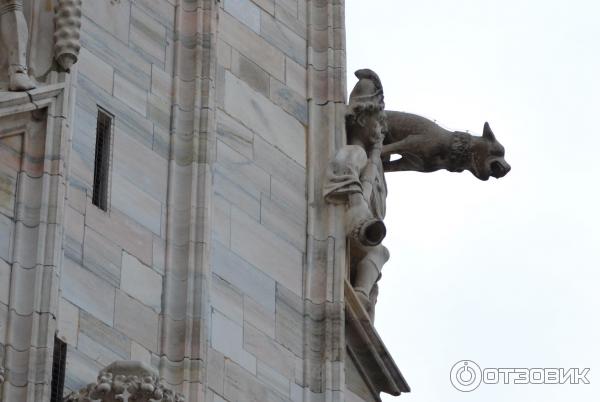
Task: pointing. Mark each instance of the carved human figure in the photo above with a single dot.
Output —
(356, 174)
(356, 178)
(15, 36)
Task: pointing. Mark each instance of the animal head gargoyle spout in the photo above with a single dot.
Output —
(488, 156)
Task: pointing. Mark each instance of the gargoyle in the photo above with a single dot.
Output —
(356, 174)
(427, 147)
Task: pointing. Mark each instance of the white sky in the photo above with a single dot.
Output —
(504, 272)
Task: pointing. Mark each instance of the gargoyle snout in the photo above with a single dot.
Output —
(499, 168)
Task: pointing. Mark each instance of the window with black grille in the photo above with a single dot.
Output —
(102, 159)
(58, 370)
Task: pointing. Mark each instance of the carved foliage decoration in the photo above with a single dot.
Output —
(126, 381)
(67, 32)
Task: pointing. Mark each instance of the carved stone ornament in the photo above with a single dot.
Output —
(67, 22)
(15, 37)
(126, 381)
(355, 176)
(1, 376)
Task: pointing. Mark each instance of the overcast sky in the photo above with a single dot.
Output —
(504, 272)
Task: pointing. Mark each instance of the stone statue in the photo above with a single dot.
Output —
(15, 36)
(356, 174)
(126, 381)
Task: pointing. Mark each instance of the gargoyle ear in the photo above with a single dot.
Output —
(488, 133)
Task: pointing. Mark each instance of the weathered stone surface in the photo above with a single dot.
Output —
(137, 321)
(244, 40)
(141, 282)
(263, 249)
(68, 322)
(245, 11)
(88, 291)
(279, 128)
(227, 337)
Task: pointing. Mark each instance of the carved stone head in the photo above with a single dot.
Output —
(488, 156)
(365, 119)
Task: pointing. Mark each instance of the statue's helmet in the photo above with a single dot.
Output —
(368, 91)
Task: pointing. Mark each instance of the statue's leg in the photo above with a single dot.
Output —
(15, 36)
(368, 272)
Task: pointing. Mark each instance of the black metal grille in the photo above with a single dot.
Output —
(102, 160)
(59, 363)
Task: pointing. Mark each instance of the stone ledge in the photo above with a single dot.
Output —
(38, 98)
(367, 350)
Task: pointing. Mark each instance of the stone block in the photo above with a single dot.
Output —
(96, 69)
(226, 299)
(250, 73)
(102, 257)
(162, 11)
(267, 5)
(284, 224)
(236, 194)
(159, 111)
(138, 322)
(113, 18)
(122, 230)
(223, 54)
(290, 19)
(289, 101)
(141, 282)
(88, 291)
(147, 35)
(104, 334)
(241, 386)
(246, 41)
(266, 251)
(227, 338)
(234, 134)
(221, 220)
(259, 317)
(130, 94)
(296, 77)
(162, 83)
(96, 351)
(74, 229)
(289, 320)
(269, 351)
(265, 118)
(135, 203)
(292, 200)
(283, 38)
(242, 170)
(81, 370)
(215, 370)
(140, 165)
(5, 270)
(273, 379)
(118, 55)
(68, 322)
(248, 279)
(244, 11)
(6, 235)
(140, 353)
(279, 165)
(158, 254)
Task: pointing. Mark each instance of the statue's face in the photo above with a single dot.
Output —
(489, 157)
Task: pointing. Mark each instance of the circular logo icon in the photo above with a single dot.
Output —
(465, 376)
